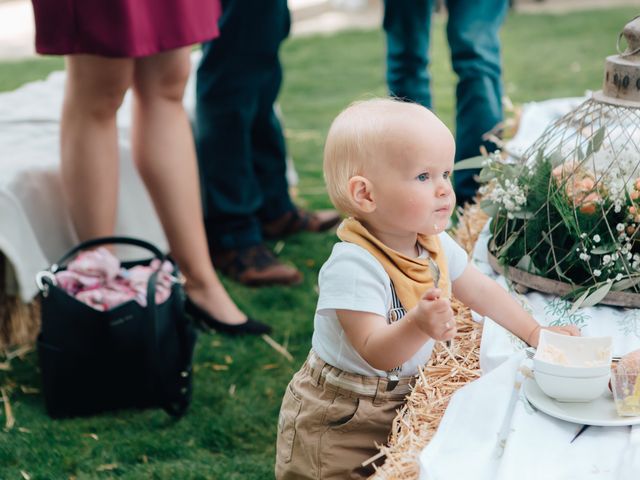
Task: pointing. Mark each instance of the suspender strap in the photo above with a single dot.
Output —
(396, 313)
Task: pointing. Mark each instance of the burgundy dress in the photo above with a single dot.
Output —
(123, 28)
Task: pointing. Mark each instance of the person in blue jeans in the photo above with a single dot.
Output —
(241, 147)
(472, 33)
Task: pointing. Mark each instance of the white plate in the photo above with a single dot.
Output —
(601, 411)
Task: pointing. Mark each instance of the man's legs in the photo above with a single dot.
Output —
(278, 215)
(267, 140)
(235, 78)
(472, 31)
(407, 24)
(231, 78)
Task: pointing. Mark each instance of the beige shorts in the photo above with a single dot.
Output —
(331, 420)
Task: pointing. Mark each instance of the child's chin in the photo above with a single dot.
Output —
(443, 213)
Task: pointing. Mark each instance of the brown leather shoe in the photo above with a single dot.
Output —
(255, 266)
(300, 220)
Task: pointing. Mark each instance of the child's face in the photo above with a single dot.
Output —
(412, 177)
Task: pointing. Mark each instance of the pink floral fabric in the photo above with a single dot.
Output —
(96, 278)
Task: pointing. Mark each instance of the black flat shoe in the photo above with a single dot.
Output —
(250, 327)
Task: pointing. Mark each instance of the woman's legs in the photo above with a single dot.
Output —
(164, 153)
(94, 90)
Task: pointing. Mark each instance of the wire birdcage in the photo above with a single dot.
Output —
(566, 215)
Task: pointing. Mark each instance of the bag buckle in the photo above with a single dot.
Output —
(41, 284)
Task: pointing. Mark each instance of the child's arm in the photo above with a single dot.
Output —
(483, 295)
(385, 346)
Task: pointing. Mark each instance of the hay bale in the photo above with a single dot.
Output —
(19, 321)
(471, 223)
(417, 422)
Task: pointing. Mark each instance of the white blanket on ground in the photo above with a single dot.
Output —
(489, 430)
(35, 227)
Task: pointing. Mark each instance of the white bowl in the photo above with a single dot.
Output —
(572, 389)
(572, 369)
(567, 351)
(567, 371)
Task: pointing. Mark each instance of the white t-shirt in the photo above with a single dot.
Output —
(352, 279)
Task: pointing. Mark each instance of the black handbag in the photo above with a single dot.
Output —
(127, 357)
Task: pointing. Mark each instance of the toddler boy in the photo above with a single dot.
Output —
(384, 291)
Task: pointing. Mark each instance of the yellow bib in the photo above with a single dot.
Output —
(411, 277)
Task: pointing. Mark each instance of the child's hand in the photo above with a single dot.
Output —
(571, 330)
(434, 315)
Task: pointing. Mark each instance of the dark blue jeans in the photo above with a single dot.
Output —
(472, 32)
(239, 139)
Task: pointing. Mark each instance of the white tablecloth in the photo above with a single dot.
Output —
(491, 432)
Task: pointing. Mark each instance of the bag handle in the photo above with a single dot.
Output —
(94, 242)
(173, 408)
(44, 278)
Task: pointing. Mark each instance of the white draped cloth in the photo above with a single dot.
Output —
(35, 226)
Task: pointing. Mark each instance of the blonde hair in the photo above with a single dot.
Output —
(355, 140)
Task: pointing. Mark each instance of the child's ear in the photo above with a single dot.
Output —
(361, 194)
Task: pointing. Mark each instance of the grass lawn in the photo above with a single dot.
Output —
(230, 430)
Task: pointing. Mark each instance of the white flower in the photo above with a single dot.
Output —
(620, 227)
(619, 277)
(596, 238)
(510, 195)
(583, 235)
(606, 260)
(584, 256)
(494, 157)
(597, 273)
